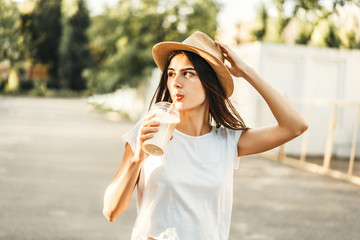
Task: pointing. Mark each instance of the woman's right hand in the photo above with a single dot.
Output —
(147, 130)
(118, 194)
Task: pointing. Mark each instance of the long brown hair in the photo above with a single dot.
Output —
(222, 112)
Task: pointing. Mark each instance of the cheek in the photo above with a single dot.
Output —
(203, 94)
(168, 86)
(200, 91)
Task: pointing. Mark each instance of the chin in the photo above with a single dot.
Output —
(179, 106)
(184, 105)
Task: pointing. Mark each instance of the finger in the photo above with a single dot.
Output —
(220, 44)
(149, 116)
(228, 55)
(146, 130)
(223, 47)
(146, 137)
(229, 59)
(151, 123)
(228, 67)
(230, 63)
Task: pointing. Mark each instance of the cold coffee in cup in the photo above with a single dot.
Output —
(169, 117)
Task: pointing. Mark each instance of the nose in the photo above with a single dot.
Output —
(176, 82)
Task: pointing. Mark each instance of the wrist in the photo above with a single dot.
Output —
(249, 73)
(139, 157)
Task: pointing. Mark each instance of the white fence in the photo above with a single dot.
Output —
(300, 72)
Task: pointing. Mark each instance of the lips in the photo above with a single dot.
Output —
(179, 97)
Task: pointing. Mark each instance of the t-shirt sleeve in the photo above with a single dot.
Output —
(235, 136)
(131, 136)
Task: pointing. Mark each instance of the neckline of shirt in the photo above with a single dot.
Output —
(194, 137)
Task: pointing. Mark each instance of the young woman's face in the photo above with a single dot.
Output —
(184, 84)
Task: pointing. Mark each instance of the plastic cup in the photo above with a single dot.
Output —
(169, 117)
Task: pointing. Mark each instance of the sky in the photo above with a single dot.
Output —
(232, 11)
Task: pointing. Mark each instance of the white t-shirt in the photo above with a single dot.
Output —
(187, 193)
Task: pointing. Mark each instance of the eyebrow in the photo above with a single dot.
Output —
(184, 69)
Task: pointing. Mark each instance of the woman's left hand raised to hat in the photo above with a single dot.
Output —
(238, 68)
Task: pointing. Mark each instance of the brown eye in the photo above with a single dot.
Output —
(188, 74)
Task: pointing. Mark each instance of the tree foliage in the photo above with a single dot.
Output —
(332, 39)
(259, 30)
(74, 52)
(44, 27)
(11, 41)
(317, 23)
(122, 38)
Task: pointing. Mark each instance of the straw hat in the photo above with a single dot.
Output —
(204, 46)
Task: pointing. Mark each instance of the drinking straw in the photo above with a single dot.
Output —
(172, 105)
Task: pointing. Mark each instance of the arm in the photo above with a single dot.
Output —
(118, 194)
(290, 123)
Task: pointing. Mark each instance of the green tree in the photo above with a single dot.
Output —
(122, 38)
(304, 34)
(332, 39)
(74, 49)
(44, 25)
(353, 42)
(259, 30)
(11, 41)
(280, 22)
(311, 14)
(204, 9)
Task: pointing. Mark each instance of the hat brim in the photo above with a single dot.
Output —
(161, 52)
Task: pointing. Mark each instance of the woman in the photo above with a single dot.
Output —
(187, 192)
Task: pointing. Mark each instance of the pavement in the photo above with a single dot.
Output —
(57, 157)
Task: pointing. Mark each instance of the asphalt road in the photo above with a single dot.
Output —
(57, 157)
